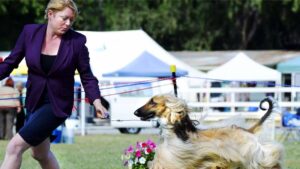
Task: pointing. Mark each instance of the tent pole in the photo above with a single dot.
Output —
(173, 70)
(82, 111)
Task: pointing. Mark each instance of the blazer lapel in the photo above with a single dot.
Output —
(37, 44)
(62, 54)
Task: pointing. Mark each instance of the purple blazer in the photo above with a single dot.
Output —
(72, 55)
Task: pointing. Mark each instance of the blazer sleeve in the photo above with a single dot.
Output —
(89, 81)
(14, 58)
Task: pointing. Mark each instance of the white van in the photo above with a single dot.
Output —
(126, 95)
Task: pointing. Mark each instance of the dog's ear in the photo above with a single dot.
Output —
(182, 127)
(180, 131)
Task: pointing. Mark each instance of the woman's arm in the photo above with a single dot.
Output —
(14, 58)
(88, 80)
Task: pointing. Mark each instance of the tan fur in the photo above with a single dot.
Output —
(220, 148)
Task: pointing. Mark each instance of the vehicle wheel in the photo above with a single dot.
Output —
(122, 130)
(130, 130)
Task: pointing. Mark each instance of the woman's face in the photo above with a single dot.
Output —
(61, 21)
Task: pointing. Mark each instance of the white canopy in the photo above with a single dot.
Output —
(112, 50)
(242, 68)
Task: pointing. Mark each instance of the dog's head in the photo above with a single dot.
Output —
(171, 111)
(166, 107)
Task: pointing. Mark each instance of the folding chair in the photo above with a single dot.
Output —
(290, 127)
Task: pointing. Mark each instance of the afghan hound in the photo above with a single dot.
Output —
(183, 146)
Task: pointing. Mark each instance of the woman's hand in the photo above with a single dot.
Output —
(100, 110)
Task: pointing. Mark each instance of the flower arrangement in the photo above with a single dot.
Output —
(137, 157)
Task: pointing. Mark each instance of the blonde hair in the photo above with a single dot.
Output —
(59, 5)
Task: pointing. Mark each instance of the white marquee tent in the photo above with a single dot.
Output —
(112, 50)
(242, 68)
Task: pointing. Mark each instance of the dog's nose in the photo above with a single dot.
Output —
(136, 113)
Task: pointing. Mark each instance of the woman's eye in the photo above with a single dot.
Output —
(65, 18)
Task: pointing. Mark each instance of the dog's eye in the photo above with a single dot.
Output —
(152, 102)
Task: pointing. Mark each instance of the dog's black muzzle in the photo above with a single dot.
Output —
(144, 115)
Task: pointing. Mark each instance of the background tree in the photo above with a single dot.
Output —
(174, 24)
(13, 15)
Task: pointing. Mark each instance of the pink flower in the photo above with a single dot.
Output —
(151, 144)
(144, 145)
(138, 145)
(148, 150)
(150, 141)
(138, 153)
(129, 150)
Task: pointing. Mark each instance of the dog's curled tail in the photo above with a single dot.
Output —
(256, 126)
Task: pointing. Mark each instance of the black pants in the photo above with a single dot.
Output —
(40, 123)
(20, 120)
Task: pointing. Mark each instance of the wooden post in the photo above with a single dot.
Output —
(173, 70)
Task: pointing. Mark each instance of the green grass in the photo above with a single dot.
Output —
(89, 152)
(292, 155)
(104, 152)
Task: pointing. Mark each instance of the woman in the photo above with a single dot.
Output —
(52, 52)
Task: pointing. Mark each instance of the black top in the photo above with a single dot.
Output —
(47, 62)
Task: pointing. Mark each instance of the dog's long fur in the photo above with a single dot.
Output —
(184, 147)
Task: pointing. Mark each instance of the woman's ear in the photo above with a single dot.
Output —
(50, 13)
